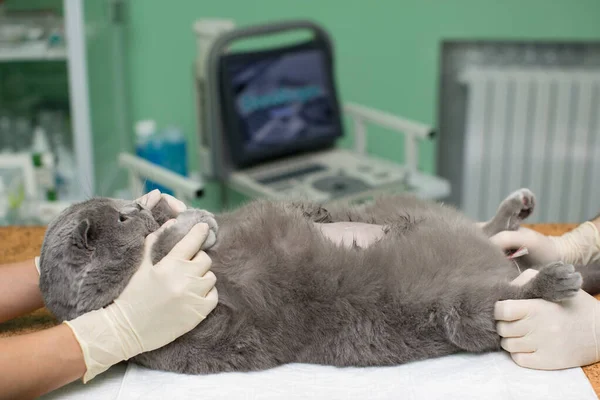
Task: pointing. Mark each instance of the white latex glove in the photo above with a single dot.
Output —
(348, 233)
(580, 246)
(150, 199)
(543, 335)
(160, 303)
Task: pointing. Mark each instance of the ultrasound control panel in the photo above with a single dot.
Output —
(321, 177)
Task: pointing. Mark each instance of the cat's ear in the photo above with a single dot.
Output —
(81, 234)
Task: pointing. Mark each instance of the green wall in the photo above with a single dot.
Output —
(386, 50)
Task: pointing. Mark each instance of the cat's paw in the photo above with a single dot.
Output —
(516, 207)
(196, 216)
(557, 281)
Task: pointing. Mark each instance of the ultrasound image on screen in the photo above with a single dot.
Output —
(283, 100)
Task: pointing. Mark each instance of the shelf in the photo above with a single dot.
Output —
(35, 51)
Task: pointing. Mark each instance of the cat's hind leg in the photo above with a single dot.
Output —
(511, 212)
(468, 319)
(555, 282)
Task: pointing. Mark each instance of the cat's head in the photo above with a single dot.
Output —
(90, 252)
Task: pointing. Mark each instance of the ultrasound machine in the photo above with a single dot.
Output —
(270, 120)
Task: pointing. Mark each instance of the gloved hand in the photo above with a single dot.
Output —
(348, 233)
(543, 335)
(160, 303)
(150, 199)
(580, 246)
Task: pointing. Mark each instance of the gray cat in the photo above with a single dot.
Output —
(287, 294)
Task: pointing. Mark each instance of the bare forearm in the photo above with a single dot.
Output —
(19, 286)
(39, 362)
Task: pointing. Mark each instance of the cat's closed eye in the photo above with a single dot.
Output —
(123, 217)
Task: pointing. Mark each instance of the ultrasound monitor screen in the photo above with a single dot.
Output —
(282, 102)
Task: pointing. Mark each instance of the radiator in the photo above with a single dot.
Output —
(534, 128)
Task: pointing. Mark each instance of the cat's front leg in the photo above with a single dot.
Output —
(185, 221)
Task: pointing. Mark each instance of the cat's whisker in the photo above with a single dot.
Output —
(108, 182)
(87, 187)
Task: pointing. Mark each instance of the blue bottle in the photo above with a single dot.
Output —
(143, 132)
(174, 145)
(149, 146)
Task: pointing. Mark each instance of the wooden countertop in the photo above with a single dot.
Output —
(22, 243)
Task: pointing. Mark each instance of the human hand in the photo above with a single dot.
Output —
(543, 335)
(150, 199)
(160, 303)
(541, 249)
(348, 233)
(579, 246)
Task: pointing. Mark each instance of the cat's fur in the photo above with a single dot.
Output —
(288, 294)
